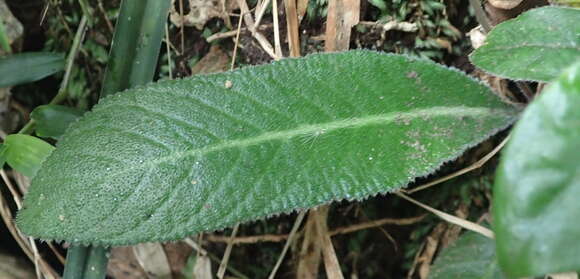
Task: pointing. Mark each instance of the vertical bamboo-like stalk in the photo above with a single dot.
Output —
(132, 61)
(96, 264)
(136, 44)
(75, 261)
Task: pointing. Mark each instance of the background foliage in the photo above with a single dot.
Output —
(381, 237)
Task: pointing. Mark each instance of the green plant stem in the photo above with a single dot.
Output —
(132, 61)
(87, 11)
(88, 262)
(136, 44)
(75, 261)
(28, 128)
(62, 91)
(96, 264)
(149, 44)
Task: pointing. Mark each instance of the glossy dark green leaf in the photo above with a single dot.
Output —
(537, 45)
(536, 207)
(179, 157)
(25, 153)
(52, 120)
(472, 256)
(28, 67)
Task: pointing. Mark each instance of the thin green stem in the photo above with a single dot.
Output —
(87, 11)
(62, 91)
(28, 128)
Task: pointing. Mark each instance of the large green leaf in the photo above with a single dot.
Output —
(536, 208)
(537, 45)
(28, 67)
(472, 256)
(179, 157)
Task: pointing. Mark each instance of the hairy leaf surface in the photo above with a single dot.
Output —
(537, 45)
(538, 184)
(179, 157)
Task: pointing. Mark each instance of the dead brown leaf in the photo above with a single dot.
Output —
(431, 244)
(200, 12)
(452, 232)
(153, 260)
(12, 267)
(123, 264)
(497, 15)
(202, 268)
(424, 256)
(177, 255)
(301, 6)
(215, 61)
(331, 264)
(505, 4)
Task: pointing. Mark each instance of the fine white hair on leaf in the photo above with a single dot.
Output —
(311, 137)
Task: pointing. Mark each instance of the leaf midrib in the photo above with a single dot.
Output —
(318, 129)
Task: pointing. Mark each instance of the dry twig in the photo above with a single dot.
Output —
(342, 16)
(452, 219)
(249, 21)
(292, 25)
(338, 231)
(260, 10)
(311, 250)
(288, 242)
(224, 263)
(392, 25)
(277, 44)
(26, 244)
(331, 264)
(229, 34)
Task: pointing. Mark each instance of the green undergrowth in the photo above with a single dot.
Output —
(357, 251)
